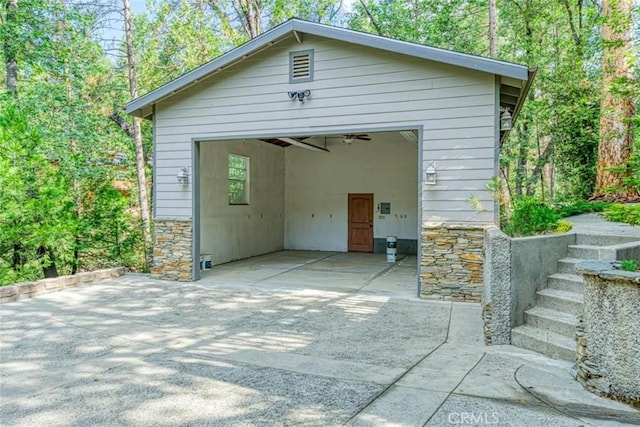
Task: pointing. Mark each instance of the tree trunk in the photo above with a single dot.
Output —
(493, 29)
(10, 49)
(616, 110)
(521, 167)
(50, 270)
(250, 14)
(137, 134)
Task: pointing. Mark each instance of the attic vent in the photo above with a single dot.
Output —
(301, 66)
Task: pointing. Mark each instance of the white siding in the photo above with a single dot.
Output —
(355, 89)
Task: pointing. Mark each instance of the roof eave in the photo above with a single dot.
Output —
(267, 39)
(531, 74)
(141, 106)
(464, 60)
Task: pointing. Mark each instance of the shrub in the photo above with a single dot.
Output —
(629, 265)
(531, 216)
(580, 207)
(623, 213)
(563, 226)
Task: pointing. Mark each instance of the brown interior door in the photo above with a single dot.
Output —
(360, 223)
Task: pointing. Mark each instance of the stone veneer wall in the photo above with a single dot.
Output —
(451, 265)
(608, 336)
(172, 250)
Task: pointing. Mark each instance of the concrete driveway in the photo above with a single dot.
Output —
(275, 344)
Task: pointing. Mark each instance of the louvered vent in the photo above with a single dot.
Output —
(301, 66)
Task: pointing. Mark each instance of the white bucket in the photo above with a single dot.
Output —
(206, 262)
(392, 249)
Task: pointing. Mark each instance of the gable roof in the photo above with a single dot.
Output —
(142, 106)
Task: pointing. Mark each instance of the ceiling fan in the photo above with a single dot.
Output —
(349, 138)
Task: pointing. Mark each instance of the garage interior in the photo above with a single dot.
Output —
(308, 194)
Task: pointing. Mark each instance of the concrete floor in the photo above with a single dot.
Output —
(335, 271)
(292, 338)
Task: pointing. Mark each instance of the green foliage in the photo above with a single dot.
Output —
(59, 204)
(457, 25)
(563, 226)
(581, 207)
(531, 216)
(629, 265)
(618, 212)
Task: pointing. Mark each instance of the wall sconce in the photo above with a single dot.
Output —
(505, 119)
(300, 95)
(348, 139)
(430, 173)
(183, 176)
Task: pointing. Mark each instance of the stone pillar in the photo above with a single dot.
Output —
(451, 262)
(497, 298)
(172, 249)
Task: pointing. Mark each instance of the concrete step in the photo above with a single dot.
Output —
(552, 320)
(568, 265)
(566, 282)
(564, 301)
(603, 240)
(583, 251)
(548, 343)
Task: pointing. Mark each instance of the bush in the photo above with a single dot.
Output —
(629, 265)
(580, 207)
(623, 213)
(563, 226)
(531, 216)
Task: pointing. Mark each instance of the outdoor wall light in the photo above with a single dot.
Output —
(300, 95)
(348, 139)
(430, 173)
(505, 119)
(183, 176)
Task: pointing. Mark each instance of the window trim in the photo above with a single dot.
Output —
(246, 181)
(311, 62)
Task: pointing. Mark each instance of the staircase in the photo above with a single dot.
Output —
(549, 327)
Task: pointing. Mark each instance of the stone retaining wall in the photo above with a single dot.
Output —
(31, 289)
(451, 262)
(172, 250)
(608, 336)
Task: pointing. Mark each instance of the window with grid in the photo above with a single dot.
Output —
(238, 180)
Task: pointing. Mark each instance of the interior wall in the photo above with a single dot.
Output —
(317, 184)
(230, 232)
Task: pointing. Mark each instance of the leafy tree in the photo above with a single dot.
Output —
(459, 25)
(58, 151)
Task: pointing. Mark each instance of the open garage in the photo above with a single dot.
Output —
(317, 138)
(348, 196)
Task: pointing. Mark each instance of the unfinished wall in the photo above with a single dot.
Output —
(230, 232)
(608, 339)
(317, 185)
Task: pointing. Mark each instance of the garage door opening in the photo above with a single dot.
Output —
(263, 195)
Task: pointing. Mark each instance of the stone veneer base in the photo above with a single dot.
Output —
(451, 264)
(172, 250)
